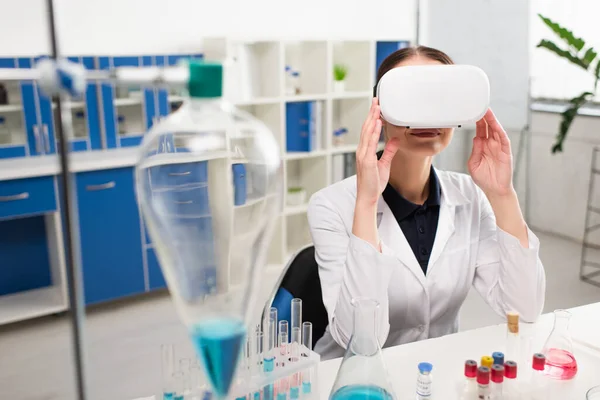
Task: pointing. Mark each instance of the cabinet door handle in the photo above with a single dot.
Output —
(184, 202)
(104, 186)
(46, 137)
(36, 134)
(179, 173)
(15, 197)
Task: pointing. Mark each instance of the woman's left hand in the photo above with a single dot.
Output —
(490, 164)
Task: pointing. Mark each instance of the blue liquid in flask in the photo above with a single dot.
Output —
(361, 392)
(219, 343)
(168, 395)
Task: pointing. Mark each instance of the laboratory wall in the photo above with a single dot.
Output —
(116, 27)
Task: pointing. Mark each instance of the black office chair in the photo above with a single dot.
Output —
(300, 279)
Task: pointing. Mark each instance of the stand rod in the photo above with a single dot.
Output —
(74, 282)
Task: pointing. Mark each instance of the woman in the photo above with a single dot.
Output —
(415, 238)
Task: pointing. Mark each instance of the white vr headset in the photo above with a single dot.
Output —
(433, 96)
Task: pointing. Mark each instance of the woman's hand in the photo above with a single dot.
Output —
(372, 176)
(490, 164)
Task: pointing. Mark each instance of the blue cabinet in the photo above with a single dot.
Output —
(111, 236)
(24, 121)
(155, 275)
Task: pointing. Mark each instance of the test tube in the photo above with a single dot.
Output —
(294, 357)
(167, 355)
(184, 367)
(307, 342)
(269, 351)
(179, 380)
(296, 318)
(283, 342)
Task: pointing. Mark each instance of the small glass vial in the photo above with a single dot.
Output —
(511, 386)
(498, 358)
(483, 383)
(5, 137)
(487, 361)
(79, 124)
(497, 381)
(469, 389)
(424, 381)
(296, 82)
(121, 125)
(539, 386)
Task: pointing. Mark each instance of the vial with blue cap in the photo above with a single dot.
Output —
(424, 381)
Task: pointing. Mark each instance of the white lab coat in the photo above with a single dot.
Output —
(469, 249)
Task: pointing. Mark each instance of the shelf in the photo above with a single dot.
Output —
(305, 97)
(251, 202)
(259, 101)
(128, 102)
(353, 95)
(31, 304)
(295, 210)
(346, 148)
(299, 155)
(10, 108)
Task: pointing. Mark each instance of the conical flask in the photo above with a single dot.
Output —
(558, 349)
(362, 374)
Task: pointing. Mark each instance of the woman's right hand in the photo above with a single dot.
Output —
(372, 176)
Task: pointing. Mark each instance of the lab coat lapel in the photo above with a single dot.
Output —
(451, 198)
(391, 234)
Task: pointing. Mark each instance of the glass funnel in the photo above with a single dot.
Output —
(362, 374)
(558, 349)
(209, 188)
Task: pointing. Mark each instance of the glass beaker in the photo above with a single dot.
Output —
(362, 373)
(558, 349)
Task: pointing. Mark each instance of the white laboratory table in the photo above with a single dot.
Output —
(448, 353)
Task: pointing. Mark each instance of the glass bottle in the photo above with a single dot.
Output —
(362, 372)
(558, 349)
(512, 337)
(424, 381)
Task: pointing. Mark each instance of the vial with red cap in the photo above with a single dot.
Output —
(483, 383)
(539, 386)
(511, 387)
(497, 378)
(469, 389)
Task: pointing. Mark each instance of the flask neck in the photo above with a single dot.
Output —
(364, 337)
(562, 318)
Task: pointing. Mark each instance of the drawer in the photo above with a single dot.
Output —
(27, 196)
(174, 175)
(184, 201)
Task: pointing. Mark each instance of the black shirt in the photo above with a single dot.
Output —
(418, 222)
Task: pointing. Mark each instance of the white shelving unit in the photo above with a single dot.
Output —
(256, 81)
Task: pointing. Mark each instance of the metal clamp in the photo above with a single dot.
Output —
(15, 197)
(104, 186)
(36, 134)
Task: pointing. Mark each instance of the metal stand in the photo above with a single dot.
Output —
(74, 282)
(591, 209)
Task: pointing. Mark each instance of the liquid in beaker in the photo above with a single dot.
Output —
(560, 361)
(362, 373)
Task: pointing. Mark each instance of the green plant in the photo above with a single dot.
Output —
(574, 50)
(339, 72)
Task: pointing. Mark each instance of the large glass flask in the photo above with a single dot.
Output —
(558, 349)
(209, 188)
(362, 374)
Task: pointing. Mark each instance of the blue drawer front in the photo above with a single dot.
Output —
(27, 196)
(174, 175)
(12, 152)
(155, 275)
(184, 202)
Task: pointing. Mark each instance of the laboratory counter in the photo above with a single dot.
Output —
(448, 354)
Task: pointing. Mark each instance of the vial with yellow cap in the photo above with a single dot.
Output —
(487, 361)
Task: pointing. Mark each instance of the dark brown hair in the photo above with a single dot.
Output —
(404, 54)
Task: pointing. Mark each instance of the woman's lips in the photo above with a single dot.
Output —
(425, 133)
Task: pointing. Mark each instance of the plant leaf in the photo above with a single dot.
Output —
(564, 34)
(568, 116)
(589, 56)
(562, 53)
